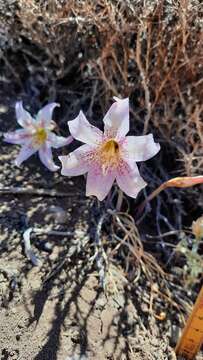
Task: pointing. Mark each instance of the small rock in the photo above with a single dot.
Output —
(3, 109)
(17, 337)
(57, 213)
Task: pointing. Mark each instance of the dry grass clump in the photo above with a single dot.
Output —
(122, 260)
(148, 50)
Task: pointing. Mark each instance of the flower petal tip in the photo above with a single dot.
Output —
(5, 137)
(56, 168)
(117, 99)
(62, 159)
(64, 168)
(19, 104)
(17, 163)
(98, 196)
(158, 147)
(53, 105)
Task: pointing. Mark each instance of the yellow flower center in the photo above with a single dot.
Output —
(109, 155)
(40, 136)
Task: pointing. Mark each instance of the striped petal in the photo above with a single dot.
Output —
(83, 131)
(129, 179)
(140, 148)
(45, 155)
(99, 184)
(17, 137)
(56, 141)
(76, 162)
(25, 152)
(24, 118)
(116, 120)
(44, 116)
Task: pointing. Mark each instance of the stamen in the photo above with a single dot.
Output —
(40, 136)
(111, 147)
(109, 155)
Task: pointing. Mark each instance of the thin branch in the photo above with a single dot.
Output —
(36, 192)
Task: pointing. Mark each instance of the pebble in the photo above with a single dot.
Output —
(57, 213)
(145, 308)
(3, 109)
(17, 337)
(19, 178)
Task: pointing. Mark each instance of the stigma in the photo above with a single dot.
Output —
(40, 136)
(109, 155)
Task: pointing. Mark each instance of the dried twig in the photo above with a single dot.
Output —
(144, 78)
(36, 192)
(52, 232)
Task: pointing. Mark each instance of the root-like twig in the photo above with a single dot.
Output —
(36, 192)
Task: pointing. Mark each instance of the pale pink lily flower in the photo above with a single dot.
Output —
(36, 135)
(108, 156)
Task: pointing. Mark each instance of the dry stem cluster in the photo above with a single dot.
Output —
(148, 50)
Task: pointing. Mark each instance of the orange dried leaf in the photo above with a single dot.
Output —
(184, 182)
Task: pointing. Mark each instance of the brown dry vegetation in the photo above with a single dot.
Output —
(148, 50)
(81, 53)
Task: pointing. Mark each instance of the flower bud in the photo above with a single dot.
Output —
(197, 228)
(183, 182)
